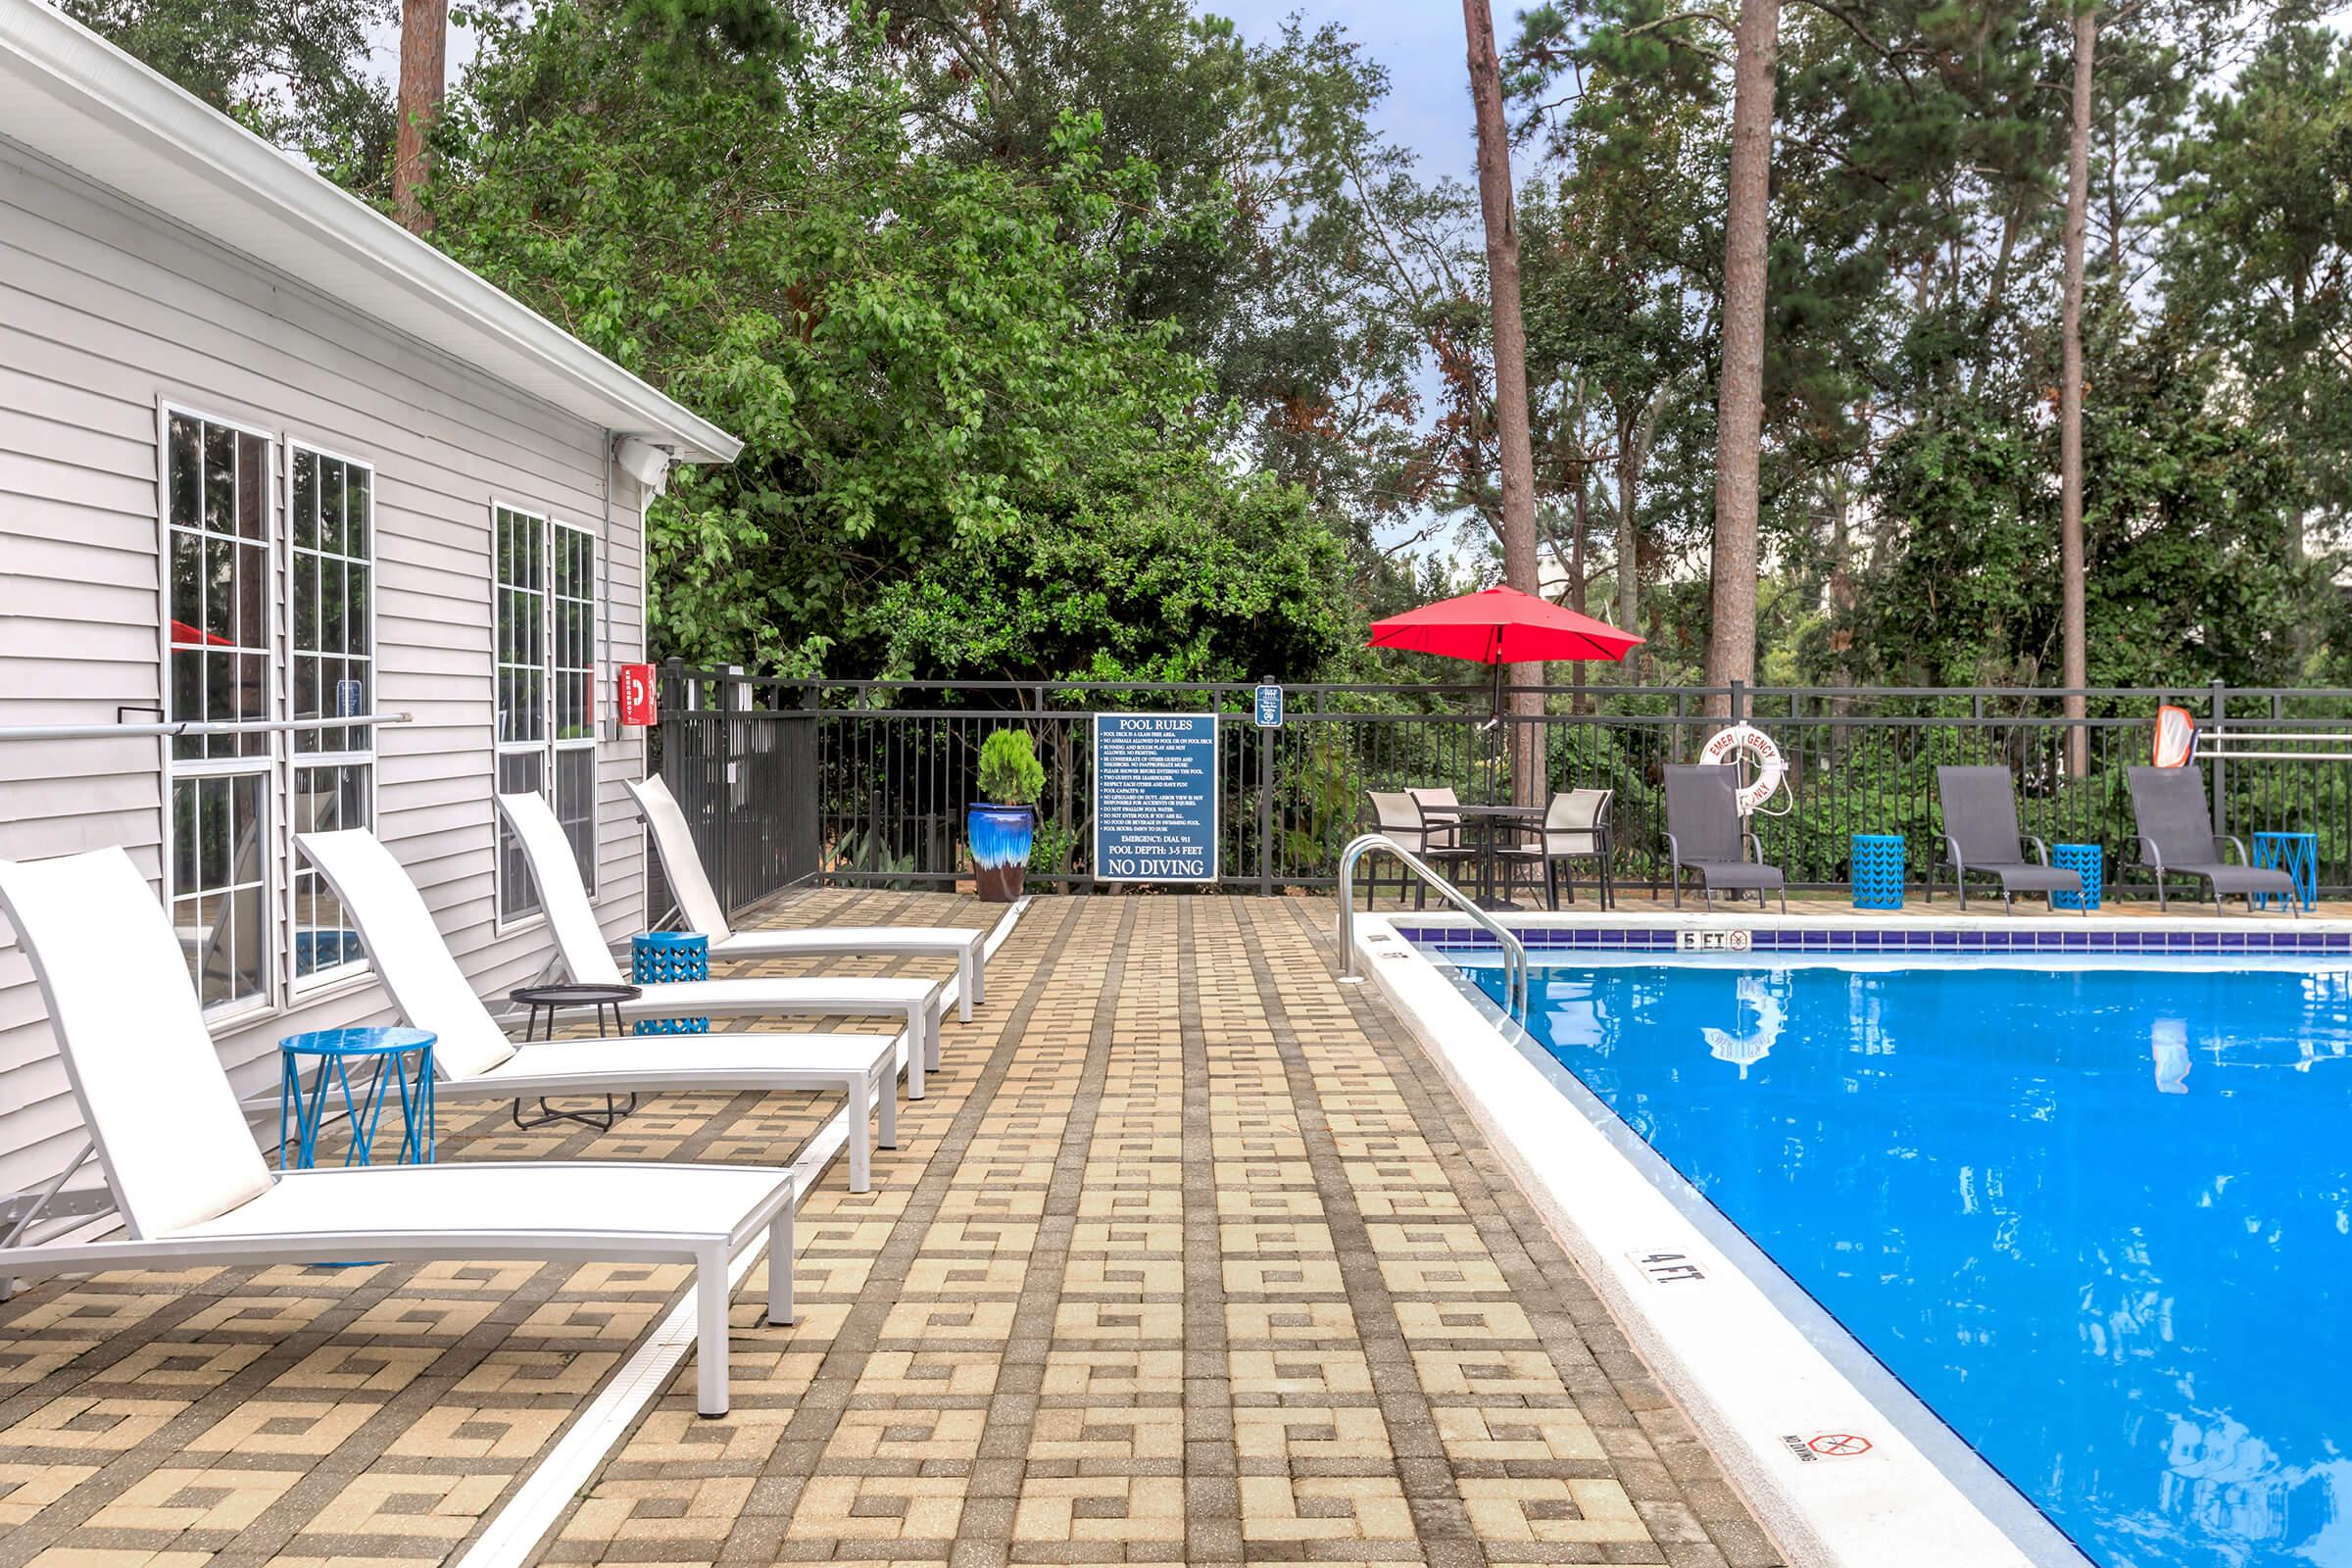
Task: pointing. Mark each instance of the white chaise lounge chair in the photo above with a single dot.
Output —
(580, 945)
(192, 1185)
(700, 905)
(474, 1059)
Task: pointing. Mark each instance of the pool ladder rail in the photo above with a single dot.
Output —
(1514, 952)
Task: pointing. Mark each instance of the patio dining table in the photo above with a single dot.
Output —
(1492, 823)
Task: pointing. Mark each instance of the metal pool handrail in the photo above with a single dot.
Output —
(1514, 952)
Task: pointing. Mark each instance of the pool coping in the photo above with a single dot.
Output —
(1766, 1376)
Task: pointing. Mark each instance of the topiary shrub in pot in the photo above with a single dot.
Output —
(1002, 825)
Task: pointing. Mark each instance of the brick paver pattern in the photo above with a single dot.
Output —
(1188, 1257)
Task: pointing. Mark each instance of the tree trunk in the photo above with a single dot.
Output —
(1576, 574)
(2074, 655)
(1510, 381)
(423, 81)
(1629, 544)
(1740, 398)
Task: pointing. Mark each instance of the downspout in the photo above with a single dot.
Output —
(605, 595)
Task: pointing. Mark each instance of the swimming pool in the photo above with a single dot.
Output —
(2098, 1217)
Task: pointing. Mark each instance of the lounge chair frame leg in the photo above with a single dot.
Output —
(971, 965)
(887, 1134)
(915, 1055)
(861, 1135)
(711, 1332)
(780, 1268)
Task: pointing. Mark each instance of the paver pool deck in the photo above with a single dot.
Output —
(1188, 1255)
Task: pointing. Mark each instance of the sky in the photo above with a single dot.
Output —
(1426, 53)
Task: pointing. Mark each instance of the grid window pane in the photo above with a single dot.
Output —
(221, 884)
(332, 576)
(576, 805)
(217, 507)
(327, 800)
(572, 659)
(519, 773)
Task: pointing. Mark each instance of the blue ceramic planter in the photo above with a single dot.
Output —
(1001, 837)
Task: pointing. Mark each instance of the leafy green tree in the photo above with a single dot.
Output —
(1318, 286)
(924, 357)
(2258, 258)
(293, 71)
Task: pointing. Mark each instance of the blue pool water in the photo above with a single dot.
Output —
(2099, 1221)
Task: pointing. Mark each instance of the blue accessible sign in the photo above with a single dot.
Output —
(1269, 706)
(1155, 796)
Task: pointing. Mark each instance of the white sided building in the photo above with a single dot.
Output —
(266, 461)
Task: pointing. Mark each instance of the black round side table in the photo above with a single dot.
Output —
(545, 1002)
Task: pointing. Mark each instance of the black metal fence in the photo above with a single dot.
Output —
(866, 782)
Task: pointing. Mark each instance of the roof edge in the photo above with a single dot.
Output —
(78, 65)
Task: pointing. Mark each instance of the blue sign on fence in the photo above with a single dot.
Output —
(1269, 707)
(1155, 796)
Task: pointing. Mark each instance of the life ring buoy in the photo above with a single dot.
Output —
(1745, 740)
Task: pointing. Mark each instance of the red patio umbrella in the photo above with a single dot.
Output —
(1501, 626)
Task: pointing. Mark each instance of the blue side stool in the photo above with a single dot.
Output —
(659, 958)
(1877, 870)
(366, 1065)
(2087, 861)
(2298, 856)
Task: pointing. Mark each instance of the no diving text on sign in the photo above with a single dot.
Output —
(1155, 796)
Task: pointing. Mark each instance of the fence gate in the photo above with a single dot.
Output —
(744, 771)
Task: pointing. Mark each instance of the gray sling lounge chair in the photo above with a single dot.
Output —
(1980, 838)
(2176, 839)
(1704, 834)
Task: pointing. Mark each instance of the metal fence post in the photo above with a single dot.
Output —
(1265, 801)
(2221, 768)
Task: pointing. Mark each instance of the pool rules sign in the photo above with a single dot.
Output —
(1155, 796)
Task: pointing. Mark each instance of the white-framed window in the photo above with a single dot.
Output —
(520, 587)
(269, 617)
(572, 653)
(220, 566)
(330, 556)
(546, 688)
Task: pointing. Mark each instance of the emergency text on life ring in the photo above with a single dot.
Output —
(1724, 745)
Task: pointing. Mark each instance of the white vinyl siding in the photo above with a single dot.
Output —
(108, 314)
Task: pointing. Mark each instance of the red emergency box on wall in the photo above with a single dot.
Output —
(636, 683)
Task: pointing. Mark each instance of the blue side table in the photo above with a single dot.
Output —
(2298, 856)
(1877, 870)
(2087, 861)
(659, 958)
(366, 1065)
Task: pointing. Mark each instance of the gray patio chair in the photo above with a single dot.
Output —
(1576, 827)
(2176, 839)
(1980, 838)
(1441, 817)
(1705, 833)
(1397, 816)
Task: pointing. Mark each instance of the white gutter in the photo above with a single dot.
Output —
(71, 96)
